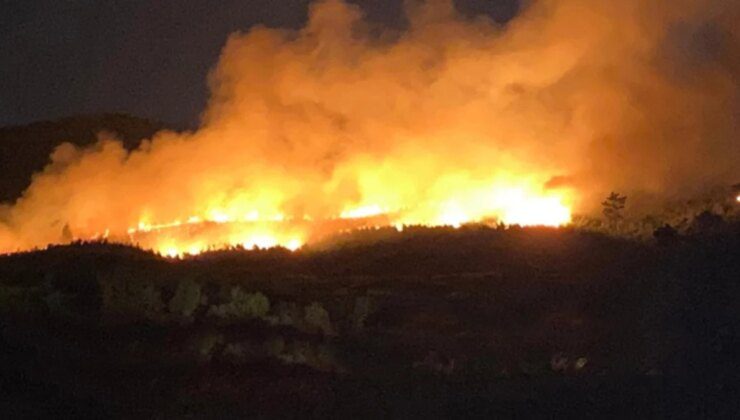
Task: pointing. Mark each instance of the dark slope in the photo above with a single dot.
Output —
(428, 323)
(25, 149)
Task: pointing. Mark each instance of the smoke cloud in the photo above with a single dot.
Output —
(570, 99)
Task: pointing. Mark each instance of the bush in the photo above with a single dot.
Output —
(298, 352)
(132, 298)
(242, 305)
(244, 351)
(288, 313)
(312, 318)
(187, 298)
(205, 346)
(317, 319)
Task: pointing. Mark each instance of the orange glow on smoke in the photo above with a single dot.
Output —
(340, 125)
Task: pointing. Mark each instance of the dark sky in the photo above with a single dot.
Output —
(145, 57)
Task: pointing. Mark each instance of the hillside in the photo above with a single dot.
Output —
(432, 322)
(25, 149)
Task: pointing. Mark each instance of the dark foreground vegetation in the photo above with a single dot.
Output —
(473, 322)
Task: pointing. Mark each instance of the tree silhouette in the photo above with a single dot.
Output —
(613, 206)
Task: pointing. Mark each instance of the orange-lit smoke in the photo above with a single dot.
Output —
(450, 120)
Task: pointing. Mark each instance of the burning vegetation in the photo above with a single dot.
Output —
(450, 120)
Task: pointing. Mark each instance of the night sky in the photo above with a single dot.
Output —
(143, 57)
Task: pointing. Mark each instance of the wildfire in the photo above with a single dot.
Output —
(335, 126)
(222, 229)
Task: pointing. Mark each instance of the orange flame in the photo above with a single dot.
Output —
(227, 229)
(451, 121)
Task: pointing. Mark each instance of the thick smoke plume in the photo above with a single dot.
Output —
(570, 99)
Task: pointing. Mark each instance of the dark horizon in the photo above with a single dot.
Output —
(148, 59)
